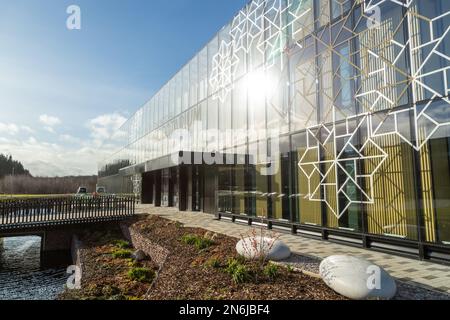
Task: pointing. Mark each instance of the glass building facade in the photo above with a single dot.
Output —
(357, 93)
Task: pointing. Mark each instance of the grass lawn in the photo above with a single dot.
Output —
(35, 196)
(29, 196)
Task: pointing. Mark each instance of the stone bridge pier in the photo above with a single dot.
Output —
(56, 241)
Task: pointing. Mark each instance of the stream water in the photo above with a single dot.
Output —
(21, 275)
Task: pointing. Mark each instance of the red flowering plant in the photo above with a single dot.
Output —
(258, 242)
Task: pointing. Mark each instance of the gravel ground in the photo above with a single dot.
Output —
(406, 291)
(303, 263)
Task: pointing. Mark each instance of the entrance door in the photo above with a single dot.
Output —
(147, 188)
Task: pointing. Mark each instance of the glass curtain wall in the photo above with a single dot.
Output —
(357, 92)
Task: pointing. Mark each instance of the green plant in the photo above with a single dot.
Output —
(290, 268)
(110, 291)
(240, 274)
(241, 259)
(141, 274)
(94, 290)
(271, 270)
(231, 265)
(122, 244)
(122, 254)
(213, 263)
(199, 242)
(238, 271)
(203, 243)
(189, 239)
(179, 225)
(132, 263)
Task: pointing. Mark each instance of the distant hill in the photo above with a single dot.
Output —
(15, 179)
(9, 166)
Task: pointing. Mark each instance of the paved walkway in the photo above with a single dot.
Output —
(425, 274)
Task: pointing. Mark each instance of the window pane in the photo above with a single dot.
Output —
(203, 73)
(435, 174)
(193, 69)
(279, 179)
(428, 30)
(213, 49)
(383, 72)
(308, 206)
(239, 111)
(225, 127)
(186, 88)
(213, 125)
(303, 86)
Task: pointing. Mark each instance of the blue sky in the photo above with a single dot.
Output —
(62, 91)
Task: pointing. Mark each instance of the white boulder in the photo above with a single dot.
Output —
(254, 248)
(357, 279)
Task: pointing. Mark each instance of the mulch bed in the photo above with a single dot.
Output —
(186, 274)
(106, 277)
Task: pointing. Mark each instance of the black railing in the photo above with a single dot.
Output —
(17, 213)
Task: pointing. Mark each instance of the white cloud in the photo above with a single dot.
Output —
(32, 140)
(9, 128)
(14, 129)
(26, 129)
(105, 126)
(49, 121)
(51, 159)
(69, 139)
(71, 155)
(49, 129)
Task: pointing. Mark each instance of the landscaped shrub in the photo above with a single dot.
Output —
(122, 254)
(213, 263)
(203, 243)
(133, 263)
(122, 244)
(238, 271)
(240, 274)
(271, 271)
(189, 239)
(199, 242)
(142, 274)
(232, 264)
